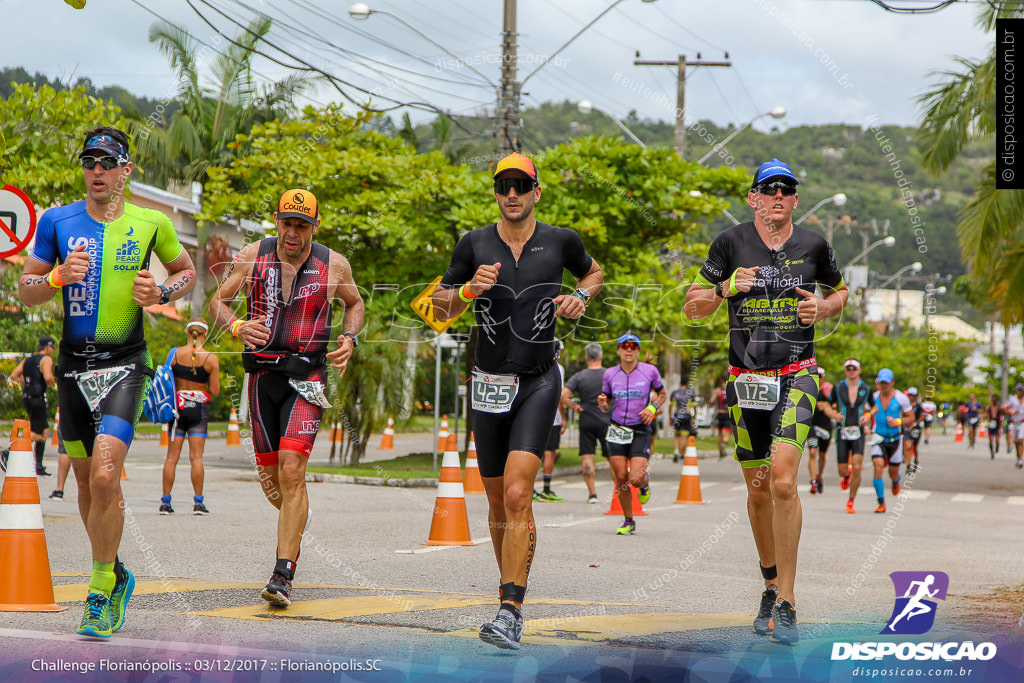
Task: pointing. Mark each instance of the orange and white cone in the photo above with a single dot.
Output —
(616, 508)
(387, 441)
(234, 436)
(163, 435)
(24, 562)
(55, 440)
(471, 478)
(450, 525)
(124, 473)
(689, 482)
(982, 431)
(959, 432)
(336, 432)
(442, 436)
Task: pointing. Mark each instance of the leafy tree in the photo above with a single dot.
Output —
(201, 133)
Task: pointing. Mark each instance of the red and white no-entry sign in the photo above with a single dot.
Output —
(17, 220)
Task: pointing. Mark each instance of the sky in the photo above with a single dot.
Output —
(824, 61)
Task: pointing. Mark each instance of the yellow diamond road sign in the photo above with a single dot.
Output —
(425, 308)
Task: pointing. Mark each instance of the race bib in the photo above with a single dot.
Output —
(619, 435)
(822, 433)
(993, 425)
(757, 392)
(850, 433)
(874, 439)
(915, 433)
(974, 420)
(187, 396)
(96, 384)
(311, 391)
(494, 393)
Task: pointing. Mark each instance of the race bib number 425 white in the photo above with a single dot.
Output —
(757, 392)
(494, 393)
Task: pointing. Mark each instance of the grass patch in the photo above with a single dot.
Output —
(412, 466)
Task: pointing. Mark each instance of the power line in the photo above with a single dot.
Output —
(683, 28)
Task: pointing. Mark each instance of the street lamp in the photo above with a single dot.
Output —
(914, 267)
(888, 241)
(929, 307)
(776, 113)
(585, 107)
(839, 198)
(360, 11)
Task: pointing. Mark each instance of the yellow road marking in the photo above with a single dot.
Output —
(340, 608)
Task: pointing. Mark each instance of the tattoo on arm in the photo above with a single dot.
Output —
(30, 280)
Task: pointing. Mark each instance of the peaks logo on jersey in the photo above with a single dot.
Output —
(128, 256)
(914, 611)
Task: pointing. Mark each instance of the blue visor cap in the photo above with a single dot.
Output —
(774, 169)
(629, 337)
(885, 375)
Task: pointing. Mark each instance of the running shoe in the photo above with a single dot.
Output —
(849, 507)
(42, 472)
(814, 486)
(56, 495)
(3, 458)
(1020, 465)
(552, 497)
(276, 592)
(675, 457)
(166, 509)
(537, 496)
(96, 620)
(844, 483)
(119, 598)
(592, 499)
(910, 468)
(504, 631)
(628, 527)
(644, 494)
(821, 486)
(896, 488)
(763, 620)
(200, 509)
(880, 508)
(784, 624)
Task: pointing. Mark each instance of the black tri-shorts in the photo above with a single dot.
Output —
(592, 433)
(525, 427)
(35, 406)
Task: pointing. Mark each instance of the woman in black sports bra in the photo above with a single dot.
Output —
(196, 381)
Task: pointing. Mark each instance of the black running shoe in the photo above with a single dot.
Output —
(784, 624)
(199, 509)
(57, 495)
(42, 472)
(763, 621)
(505, 631)
(3, 458)
(166, 509)
(278, 590)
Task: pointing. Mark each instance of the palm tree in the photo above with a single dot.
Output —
(960, 111)
(201, 133)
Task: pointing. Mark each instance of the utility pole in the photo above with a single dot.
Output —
(680, 64)
(508, 101)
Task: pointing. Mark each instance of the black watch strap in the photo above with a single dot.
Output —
(718, 290)
(165, 295)
(354, 338)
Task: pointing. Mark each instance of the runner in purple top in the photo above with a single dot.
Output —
(627, 390)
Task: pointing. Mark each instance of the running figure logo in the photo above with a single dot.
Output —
(914, 611)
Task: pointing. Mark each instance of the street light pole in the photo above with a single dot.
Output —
(776, 113)
(839, 198)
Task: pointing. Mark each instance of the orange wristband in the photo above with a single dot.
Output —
(54, 278)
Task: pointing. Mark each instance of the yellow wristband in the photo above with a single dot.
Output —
(653, 408)
(466, 294)
(899, 421)
(235, 326)
(54, 278)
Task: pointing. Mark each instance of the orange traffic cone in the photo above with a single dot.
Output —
(982, 432)
(471, 477)
(124, 473)
(234, 436)
(56, 426)
(24, 562)
(959, 432)
(616, 508)
(163, 435)
(689, 482)
(337, 435)
(387, 441)
(450, 525)
(442, 436)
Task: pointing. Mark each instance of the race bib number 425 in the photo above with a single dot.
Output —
(494, 393)
(757, 392)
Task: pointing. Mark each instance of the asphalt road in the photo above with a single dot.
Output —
(679, 594)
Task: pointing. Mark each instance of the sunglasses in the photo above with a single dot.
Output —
(629, 346)
(851, 368)
(520, 185)
(771, 188)
(107, 162)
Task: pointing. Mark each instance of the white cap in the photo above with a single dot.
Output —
(912, 391)
(852, 361)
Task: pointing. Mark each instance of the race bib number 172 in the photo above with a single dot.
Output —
(757, 392)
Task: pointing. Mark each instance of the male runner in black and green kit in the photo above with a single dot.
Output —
(510, 273)
(767, 269)
(96, 252)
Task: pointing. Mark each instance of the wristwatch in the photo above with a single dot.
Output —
(354, 338)
(582, 294)
(165, 295)
(718, 290)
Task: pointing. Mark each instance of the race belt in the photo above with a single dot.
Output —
(786, 370)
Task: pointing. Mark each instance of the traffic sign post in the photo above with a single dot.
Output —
(17, 220)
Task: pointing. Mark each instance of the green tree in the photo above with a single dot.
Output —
(958, 111)
(201, 132)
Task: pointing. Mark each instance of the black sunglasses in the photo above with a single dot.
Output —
(107, 162)
(520, 185)
(771, 188)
